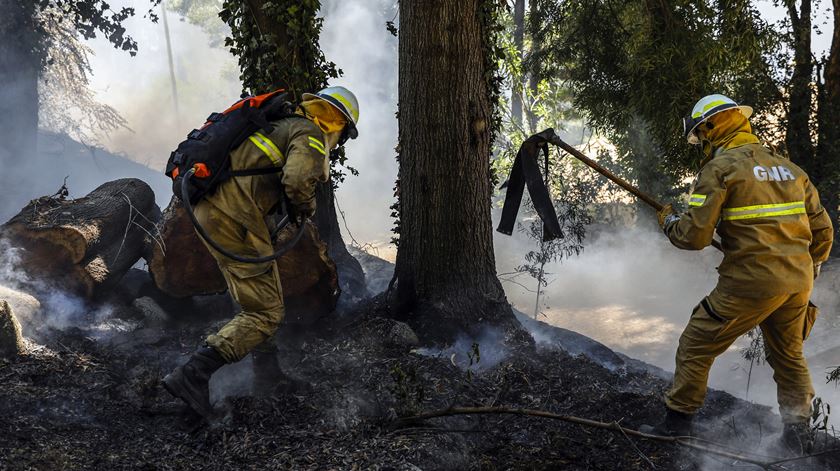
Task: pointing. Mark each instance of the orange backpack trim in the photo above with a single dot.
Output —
(256, 101)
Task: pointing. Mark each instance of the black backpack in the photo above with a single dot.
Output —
(207, 149)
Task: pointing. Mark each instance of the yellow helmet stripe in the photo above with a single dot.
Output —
(349, 107)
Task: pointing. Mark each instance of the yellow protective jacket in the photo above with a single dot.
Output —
(296, 145)
(772, 226)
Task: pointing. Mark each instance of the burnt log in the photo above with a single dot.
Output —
(181, 266)
(85, 245)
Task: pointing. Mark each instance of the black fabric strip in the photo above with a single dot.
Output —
(526, 172)
(710, 311)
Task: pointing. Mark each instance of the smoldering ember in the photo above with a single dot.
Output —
(346, 234)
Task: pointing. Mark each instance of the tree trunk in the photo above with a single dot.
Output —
(445, 277)
(798, 133)
(20, 66)
(519, 44)
(350, 272)
(85, 245)
(828, 148)
(181, 266)
(534, 74)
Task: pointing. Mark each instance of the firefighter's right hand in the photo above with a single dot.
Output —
(663, 214)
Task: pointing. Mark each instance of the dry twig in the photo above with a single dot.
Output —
(764, 462)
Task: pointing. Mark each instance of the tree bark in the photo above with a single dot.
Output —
(534, 74)
(181, 266)
(445, 278)
(828, 147)
(798, 133)
(85, 245)
(20, 67)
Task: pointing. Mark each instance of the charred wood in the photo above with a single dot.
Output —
(181, 266)
(85, 245)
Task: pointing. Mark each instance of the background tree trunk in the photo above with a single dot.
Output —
(519, 43)
(828, 148)
(85, 245)
(798, 133)
(20, 66)
(445, 280)
(534, 77)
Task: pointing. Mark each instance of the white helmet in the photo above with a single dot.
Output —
(707, 107)
(345, 101)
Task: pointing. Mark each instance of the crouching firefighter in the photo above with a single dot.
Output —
(774, 235)
(259, 155)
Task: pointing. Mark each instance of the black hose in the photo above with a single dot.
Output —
(185, 198)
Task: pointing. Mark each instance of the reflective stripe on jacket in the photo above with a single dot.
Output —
(769, 217)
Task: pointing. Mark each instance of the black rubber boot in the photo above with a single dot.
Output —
(675, 424)
(268, 377)
(191, 381)
(798, 438)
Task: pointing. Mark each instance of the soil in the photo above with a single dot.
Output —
(89, 398)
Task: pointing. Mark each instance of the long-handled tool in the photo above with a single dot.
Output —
(555, 139)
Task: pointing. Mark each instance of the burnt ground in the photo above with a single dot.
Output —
(78, 403)
(84, 399)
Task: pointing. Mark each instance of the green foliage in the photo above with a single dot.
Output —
(636, 67)
(277, 45)
(493, 30)
(89, 17)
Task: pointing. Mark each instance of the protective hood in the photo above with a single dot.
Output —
(730, 129)
(326, 116)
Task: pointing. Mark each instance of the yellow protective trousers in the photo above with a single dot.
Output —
(718, 320)
(256, 287)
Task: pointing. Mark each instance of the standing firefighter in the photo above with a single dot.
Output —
(234, 215)
(775, 234)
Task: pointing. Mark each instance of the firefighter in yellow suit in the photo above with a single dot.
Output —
(235, 216)
(775, 234)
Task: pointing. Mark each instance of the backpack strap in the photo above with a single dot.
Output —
(255, 171)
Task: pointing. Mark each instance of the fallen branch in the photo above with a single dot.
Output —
(764, 462)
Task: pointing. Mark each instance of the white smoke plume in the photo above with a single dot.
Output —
(40, 306)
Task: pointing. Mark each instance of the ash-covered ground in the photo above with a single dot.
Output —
(86, 395)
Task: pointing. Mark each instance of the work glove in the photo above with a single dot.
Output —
(299, 214)
(666, 217)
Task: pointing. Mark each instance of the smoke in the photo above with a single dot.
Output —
(41, 307)
(475, 354)
(355, 38)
